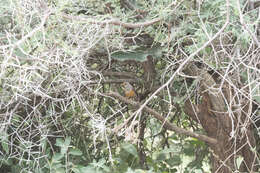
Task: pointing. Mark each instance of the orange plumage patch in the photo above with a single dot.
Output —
(130, 94)
(129, 90)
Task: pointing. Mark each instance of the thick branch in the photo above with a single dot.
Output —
(112, 81)
(166, 124)
(120, 74)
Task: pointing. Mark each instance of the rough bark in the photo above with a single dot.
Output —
(229, 125)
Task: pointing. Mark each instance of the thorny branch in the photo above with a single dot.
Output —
(165, 123)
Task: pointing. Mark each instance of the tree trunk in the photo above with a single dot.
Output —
(223, 120)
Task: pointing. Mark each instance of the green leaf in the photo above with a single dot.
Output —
(129, 170)
(95, 65)
(82, 169)
(175, 161)
(67, 141)
(59, 142)
(239, 160)
(75, 152)
(57, 166)
(257, 99)
(188, 150)
(130, 148)
(60, 170)
(64, 149)
(142, 171)
(160, 156)
(196, 142)
(5, 161)
(170, 150)
(164, 154)
(124, 56)
(4, 141)
(18, 52)
(57, 157)
(87, 169)
(139, 55)
(256, 92)
(5, 146)
(63, 144)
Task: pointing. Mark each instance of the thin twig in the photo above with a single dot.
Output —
(166, 124)
(30, 34)
(245, 25)
(185, 62)
(113, 21)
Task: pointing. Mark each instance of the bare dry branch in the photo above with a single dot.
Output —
(165, 123)
(113, 22)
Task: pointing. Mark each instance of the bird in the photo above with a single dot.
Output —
(129, 90)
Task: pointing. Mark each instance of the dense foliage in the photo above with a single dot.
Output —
(194, 67)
